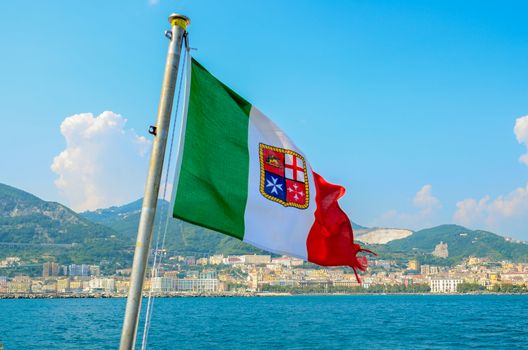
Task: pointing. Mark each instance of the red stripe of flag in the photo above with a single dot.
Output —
(331, 239)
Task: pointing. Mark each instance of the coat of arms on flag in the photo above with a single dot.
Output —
(283, 177)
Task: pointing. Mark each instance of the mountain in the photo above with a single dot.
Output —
(181, 238)
(25, 218)
(30, 225)
(34, 228)
(462, 243)
(112, 215)
(381, 235)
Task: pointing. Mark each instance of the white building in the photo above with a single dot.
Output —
(257, 259)
(173, 284)
(102, 284)
(3, 284)
(287, 261)
(444, 285)
(216, 259)
(10, 261)
(233, 260)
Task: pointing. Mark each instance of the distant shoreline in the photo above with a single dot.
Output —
(220, 295)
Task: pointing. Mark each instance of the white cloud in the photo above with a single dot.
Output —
(425, 201)
(521, 132)
(506, 213)
(426, 206)
(103, 164)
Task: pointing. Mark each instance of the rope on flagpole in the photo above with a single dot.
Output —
(158, 257)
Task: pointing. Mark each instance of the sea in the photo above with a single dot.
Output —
(289, 322)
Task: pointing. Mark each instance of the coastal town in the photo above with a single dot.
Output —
(248, 275)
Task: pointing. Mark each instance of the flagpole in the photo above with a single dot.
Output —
(150, 199)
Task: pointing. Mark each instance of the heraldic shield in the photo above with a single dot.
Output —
(283, 177)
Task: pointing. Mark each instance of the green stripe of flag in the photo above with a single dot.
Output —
(213, 176)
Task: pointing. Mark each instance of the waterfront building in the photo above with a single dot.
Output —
(122, 286)
(79, 270)
(233, 259)
(348, 283)
(473, 260)
(366, 282)
(216, 259)
(202, 261)
(257, 259)
(3, 284)
(296, 262)
(208, 274)
(287, 261)
(76, 286)
(63, 285)
(384, 264)
(102, 285)
(147, 284)
(123, 272)
(163, 284)
(518, 278)
(429, 270)
(177, 258)
(10, 261)
(291, 283)
(274, 267)
(418, 279)
(493, 278)
(19, 284)
(253, 278)
(444, 285)
(522, 267)
(37, 286)
(197, 284)
(172, 284)
(413, 265)
(190, 274)
(50, 269)
(49, 286)
(507, 266)
(95, 270)
(190, 260)
(172, 273)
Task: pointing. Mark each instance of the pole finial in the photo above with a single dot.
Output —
(179, 20)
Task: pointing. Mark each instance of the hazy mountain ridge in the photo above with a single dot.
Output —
(107, 216)
(110, 233)
(25, 218)
(38, 230)
(181, 238)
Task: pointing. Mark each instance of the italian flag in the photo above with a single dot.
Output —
(239, 174)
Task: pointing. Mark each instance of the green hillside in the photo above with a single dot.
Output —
(32, 227)
(182, 238)
(462, 242)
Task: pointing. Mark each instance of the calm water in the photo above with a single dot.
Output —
(315, 322)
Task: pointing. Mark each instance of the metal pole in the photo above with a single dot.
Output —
(148, 210)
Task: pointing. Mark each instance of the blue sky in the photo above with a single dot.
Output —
(410, 106)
